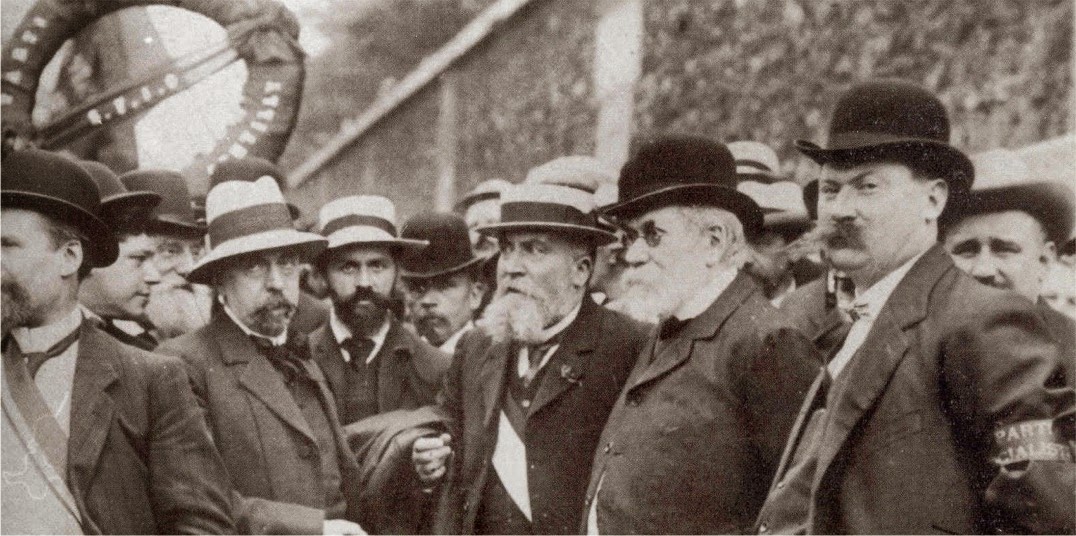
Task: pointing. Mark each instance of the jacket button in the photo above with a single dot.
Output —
(763, 529)
(306, 452)
(466, 504)
(608, 447)
(633, 400)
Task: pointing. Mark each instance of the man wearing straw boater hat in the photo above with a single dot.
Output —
(443, 282)
(267, 403)
(117, 295)
(703, 416)
(942, 410)
(528, 390)
(1005, 235)
(98, 437)
(482, 206)
(175, 305)
(373, 363)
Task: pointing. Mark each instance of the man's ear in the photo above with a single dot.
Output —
(584, 267)
(937, 197)
(71, 257)
(717, 243)
(475, 291)
(1049, 253)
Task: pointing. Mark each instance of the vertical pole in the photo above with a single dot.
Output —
(447, 117)
(618, 60)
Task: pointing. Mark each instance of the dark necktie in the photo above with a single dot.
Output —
(535, 354)
(359, 349)
(672, 327)
(287, 358)
(34, 360)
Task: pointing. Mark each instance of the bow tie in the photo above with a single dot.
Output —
(856, 311)
(358, 348)
(34, 360)
(287, 358)
(672, 327)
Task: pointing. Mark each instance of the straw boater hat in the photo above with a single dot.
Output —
(683, 171)
(449, 249)
(249, 169)
(248, 217)
(892, 120)
(549, 207)
(175, 215)
(755, 161)
(118, 202)
(61, 189)
(1003, 182)
(486, 190)
(363, 220)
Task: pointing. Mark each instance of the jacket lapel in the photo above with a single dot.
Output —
(873, 364)
(392, 368)
(326, 354)
(258, 376)
(704, 326)
(568, 364)
(493, 370)
(92, 407)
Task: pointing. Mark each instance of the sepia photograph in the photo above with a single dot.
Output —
(528, 267)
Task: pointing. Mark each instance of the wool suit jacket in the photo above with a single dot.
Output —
(697, 432)
(140, 459)
(580, 382)
(951, 384)
(269, 450)
(409, 369)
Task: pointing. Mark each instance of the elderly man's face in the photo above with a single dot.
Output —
(666, 261)
(441, 306)
(482, 213)
(1006, 250)
(32, 268)
(122, 290)
(175, 258)
(361, 279)
(1058, 290)
(874, 216)
(262, 290)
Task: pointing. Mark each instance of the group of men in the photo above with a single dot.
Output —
(689, 345)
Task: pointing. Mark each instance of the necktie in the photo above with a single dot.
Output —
(359, 349)
(287, 358)
(34, 360)
(535, 354)
(672, 327)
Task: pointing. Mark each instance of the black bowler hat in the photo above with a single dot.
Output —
(892, 119)
(686, 171)
(449, 250)
(250, 169)
(59, 188)
(119, 204)
(175, 214)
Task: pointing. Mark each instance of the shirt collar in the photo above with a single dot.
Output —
(449, 346)
(707, 295)
(555, 329)
(340, 332)
(873, 299)
(42, 338)
(279, 340)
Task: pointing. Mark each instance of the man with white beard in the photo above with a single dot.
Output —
(528, 392)
(695, 437)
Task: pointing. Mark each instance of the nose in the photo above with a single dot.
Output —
(636, 253)
(275, 278)
(185, 263)
(150, 274)
(985, 268)
(427, 300)
(840, 207)
(510, 264)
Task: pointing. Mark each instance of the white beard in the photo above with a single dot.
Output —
(513, 317)
(176, 310)
(648, 295)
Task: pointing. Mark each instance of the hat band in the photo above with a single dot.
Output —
(248, 221)
(535, 212)
(358, 220)
(859, 138)
(754, 164)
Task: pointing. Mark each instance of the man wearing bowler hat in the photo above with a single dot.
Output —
(699, 426)
(443, 281)
(98, 437)
(529, 390)
(373, 363)
(176, 306)
(1005, 234)
(266, 401)
(942, 409)
(117, 295)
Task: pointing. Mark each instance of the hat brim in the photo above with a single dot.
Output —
(307, 245)
(103, 247)
(594, 235)
(958, 167)
(711, 195)
(167, 225)
(408, 274)
(140, 202)
(1050, 203)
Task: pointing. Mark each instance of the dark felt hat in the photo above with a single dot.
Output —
(449, 249)
(59, 188)
(175, 214)
(1004, 183)
(892, 120)
(683, 171)
(118, 204)
(250, 169)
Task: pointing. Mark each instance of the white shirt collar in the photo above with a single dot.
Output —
(707, 295)
(279, 340)
(523, 361)
(42, 338)
(449, 346)
(873, 299)
(340, 332)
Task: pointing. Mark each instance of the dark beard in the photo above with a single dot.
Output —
(272, 318)
(16, 311)
(363, 318)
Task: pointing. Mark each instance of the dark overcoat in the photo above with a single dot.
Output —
(951, 376)
(579, 385)
(697, 433)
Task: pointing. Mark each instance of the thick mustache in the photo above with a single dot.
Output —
(276, 303)
(365, 294)
(838, 234)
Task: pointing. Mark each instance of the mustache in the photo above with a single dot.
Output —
(14, 291)
(276, 302)
(365, 294)
(835, 234)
